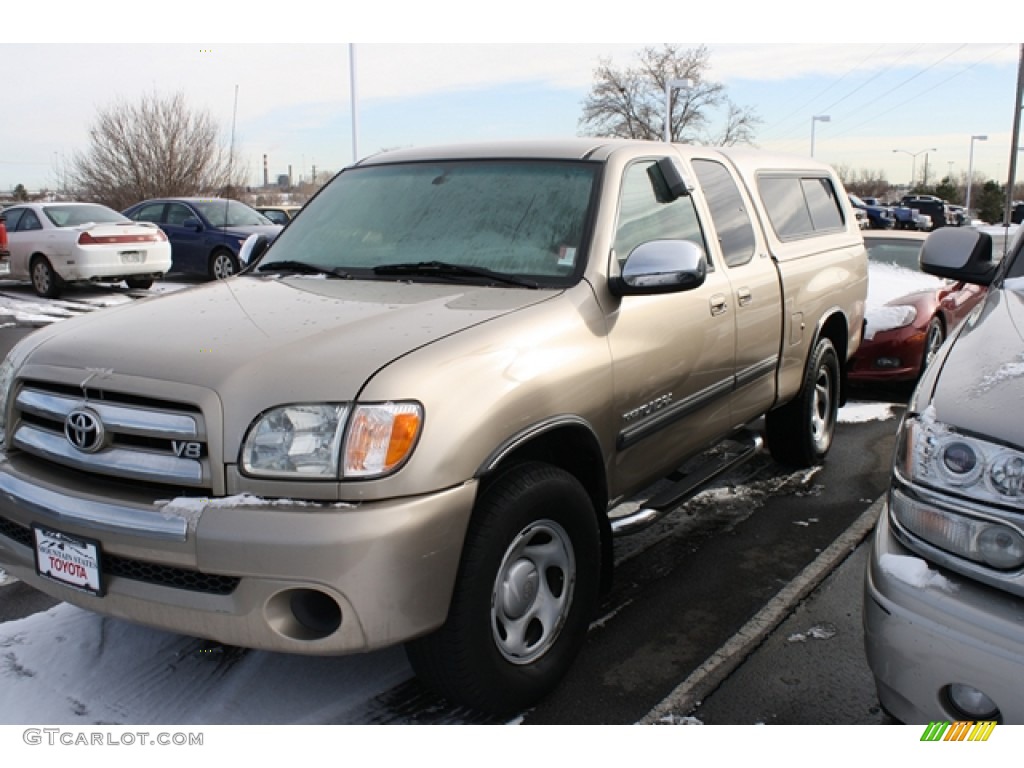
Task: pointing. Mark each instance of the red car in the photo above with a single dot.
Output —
(909, 314)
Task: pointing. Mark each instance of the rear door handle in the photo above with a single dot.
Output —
(743, 296)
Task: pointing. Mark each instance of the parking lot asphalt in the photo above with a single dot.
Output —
(800, 661)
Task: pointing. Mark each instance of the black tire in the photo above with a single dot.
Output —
(499, 652)
(45, 281)
(933, 339)
(223, 264)
(139, 283)
(800, 432)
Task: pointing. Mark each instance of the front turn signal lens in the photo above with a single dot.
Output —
(380, 438)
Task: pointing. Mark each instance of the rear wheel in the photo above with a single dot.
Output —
(45, 281)
(222, 264)
(800, 432)
(526, 591)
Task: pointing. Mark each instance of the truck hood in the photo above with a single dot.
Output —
(328, 335)
(982, 377)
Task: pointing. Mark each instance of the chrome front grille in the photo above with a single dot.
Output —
(144, 440)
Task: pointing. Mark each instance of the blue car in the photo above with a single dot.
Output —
(879, 216)
(206, 233)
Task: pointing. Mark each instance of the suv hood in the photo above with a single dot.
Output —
(983, 373)
(226, 334)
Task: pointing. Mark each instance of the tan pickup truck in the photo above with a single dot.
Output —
(412, 418)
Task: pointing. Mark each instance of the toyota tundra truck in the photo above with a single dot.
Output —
(413, 417)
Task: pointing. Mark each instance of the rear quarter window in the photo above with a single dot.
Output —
(801, 206)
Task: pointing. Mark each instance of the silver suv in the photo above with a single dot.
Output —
(944, 594)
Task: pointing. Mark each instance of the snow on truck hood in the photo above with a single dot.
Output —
(330, 335)
(982, 378)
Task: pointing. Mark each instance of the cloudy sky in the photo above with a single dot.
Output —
(292, 88)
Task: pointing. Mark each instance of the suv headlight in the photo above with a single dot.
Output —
(331, 441)
(933, 455)
(7, 368)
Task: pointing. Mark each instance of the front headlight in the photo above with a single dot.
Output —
(933, 454)
(295, 441)
(930, 454)
(331, 441)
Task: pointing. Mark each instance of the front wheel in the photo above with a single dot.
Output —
(222, 264)
(526, 590)
(800, 432)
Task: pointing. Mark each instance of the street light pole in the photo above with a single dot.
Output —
(669, 85)
(970, 173)
(913, 162)
(818, 119)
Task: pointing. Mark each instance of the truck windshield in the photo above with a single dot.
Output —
(519, 218)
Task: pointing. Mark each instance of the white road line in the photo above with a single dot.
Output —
(709, 675)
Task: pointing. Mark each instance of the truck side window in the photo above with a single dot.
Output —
(800, 207)
(729, 214)
(643, 217)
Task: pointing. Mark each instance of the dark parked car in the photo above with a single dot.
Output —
(909, 314)
(879, 216)
(934, 207)
(206, 233)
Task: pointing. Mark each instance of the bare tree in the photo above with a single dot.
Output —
(630, 102)
(154, 148)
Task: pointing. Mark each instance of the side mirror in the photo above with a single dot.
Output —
(960, 254)
(193, 223)
(661, 266)
(253, 249)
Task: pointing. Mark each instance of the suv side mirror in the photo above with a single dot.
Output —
(959, 254)
(252, 249)
(661, 266)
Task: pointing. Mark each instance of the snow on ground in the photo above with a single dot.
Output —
(68, 666)
(858, 413)
(21, 307)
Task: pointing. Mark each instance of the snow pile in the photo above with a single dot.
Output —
(818, 632)
(888, 283)
(858, 413)
(915, 572)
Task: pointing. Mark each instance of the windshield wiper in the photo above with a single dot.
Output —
(303, 268)
(447, 269)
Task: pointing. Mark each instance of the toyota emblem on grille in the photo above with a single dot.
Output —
(84, 430)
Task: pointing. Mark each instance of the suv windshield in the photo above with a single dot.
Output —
(230, 213)
(517, 218)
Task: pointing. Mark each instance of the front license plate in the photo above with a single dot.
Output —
(69, 560)
(133, 257)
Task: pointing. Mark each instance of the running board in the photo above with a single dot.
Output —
(689, 486)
